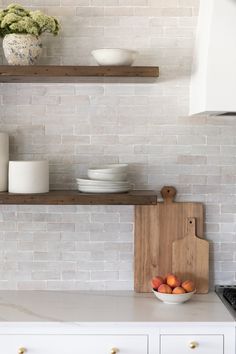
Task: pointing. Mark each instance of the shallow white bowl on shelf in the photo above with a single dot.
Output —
(102, 175)
(173, 299)
(111, 168)
(114, 57)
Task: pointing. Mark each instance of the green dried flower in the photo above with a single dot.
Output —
(17, 9)
(16, 19)
(2, 14)
(26, 25)
(45, 23)
(9, 19)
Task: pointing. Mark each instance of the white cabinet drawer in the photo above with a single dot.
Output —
(74, 344)
(186, 344)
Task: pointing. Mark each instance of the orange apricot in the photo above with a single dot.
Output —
(173, 281)
(156, 282)
(165, 289)
(188, 286)
(178, 290)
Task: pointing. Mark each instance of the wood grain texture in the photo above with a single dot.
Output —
(50, 73)
(75, 197)
(156, 228)
(190, 258)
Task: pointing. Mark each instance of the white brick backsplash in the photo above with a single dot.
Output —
(143, 122)
(105, 275)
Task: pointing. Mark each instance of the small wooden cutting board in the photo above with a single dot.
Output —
(190, 258)
(156, 228)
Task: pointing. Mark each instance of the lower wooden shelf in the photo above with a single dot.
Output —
(76, 198)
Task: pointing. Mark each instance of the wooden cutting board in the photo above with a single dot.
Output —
(156, 228)
(190, 258)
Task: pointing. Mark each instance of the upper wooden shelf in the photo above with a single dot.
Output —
(50, 73)
(77, 198)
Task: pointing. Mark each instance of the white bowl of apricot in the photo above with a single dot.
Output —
(171, 290)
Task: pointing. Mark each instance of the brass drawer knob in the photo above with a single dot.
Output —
(22, 351)
(193, 345)
(114, 351)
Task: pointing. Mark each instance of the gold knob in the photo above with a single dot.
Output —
(22, 351)
(193, 345)
(114, 351)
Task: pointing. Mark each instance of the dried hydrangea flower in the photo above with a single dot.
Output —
(26, 25)
(45, 23)
(17, 9)
(16, 19)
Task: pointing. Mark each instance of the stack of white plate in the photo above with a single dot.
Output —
(105, 179)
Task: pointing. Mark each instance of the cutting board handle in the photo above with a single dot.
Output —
(168, 194)
(191, 227)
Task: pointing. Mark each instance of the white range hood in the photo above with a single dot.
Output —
(213, 82)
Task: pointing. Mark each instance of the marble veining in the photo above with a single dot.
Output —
(23, 310)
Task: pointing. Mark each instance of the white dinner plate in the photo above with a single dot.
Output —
(98, 183)
(92, 189)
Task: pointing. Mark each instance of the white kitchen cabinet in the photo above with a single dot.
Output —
(129, 341)
(74, 344)
(185, 344)
(198, 338)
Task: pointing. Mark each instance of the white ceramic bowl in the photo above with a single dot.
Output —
(173, 299)
(104, 176)
(114, 56)
(111, 168)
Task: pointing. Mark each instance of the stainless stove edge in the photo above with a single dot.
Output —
(219, 291)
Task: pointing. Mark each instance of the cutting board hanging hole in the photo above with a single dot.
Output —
(168, 194)
(191, 228)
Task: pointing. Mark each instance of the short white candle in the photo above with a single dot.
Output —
(28, 177)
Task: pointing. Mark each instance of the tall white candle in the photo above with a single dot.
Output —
(4, 160)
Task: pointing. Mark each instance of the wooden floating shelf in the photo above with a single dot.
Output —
(78, 198)
(50, 73)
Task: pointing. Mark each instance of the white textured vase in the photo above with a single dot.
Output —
(28, 177)
(22, 49)
(4, 160)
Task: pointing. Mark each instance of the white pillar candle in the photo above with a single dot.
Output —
(28, 177)
(4, 160)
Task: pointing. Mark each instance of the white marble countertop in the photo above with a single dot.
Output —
(109, 307)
